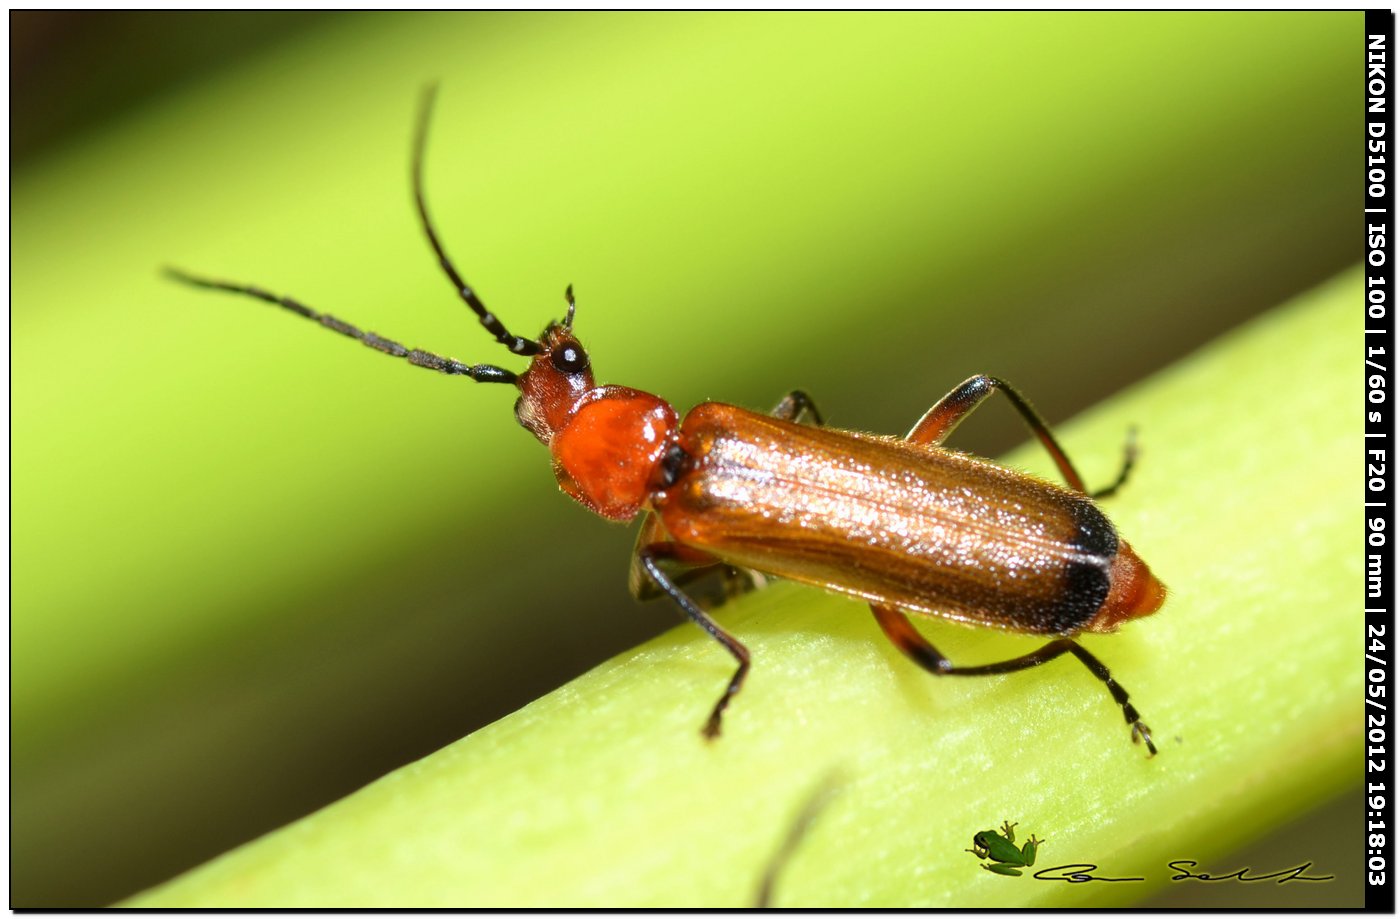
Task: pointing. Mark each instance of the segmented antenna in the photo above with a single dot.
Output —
(482, 373)
(515, 343)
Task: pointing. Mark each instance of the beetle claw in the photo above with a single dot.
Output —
(1143, 734)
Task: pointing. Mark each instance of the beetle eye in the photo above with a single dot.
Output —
(569, 358)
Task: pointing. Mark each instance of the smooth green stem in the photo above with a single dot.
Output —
(604, 794)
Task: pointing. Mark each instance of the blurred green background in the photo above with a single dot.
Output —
(256, 566)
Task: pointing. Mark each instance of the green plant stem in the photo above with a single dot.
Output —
(604, 794)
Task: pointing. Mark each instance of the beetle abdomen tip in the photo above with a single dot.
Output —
(1134, 592)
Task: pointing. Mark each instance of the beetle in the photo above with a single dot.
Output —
(904, 525)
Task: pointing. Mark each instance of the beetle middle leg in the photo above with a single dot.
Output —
(795, 406)
(940, 421)
(648, 578)
(918, 649)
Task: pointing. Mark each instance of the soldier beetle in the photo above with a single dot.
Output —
(905, 525)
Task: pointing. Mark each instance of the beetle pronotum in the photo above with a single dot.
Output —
(905, 525)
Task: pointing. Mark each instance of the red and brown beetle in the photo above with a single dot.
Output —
(905, 525)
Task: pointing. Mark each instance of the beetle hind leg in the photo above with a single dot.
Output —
(940, 421)
(901, 631)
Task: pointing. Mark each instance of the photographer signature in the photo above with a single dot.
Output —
(1082, 873)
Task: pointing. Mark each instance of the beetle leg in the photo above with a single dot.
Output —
(641, 586)
(645, 567)
(918, 649)
(797, 404)
(684, 566)
(729, 582)
(940, 421)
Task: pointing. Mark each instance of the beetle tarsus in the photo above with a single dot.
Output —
(712, 726)
(1143, 734)
(1130, 455)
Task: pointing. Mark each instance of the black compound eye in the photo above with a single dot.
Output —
(569, 358)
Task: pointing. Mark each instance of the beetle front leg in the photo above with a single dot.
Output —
(686, 567)
(901, 631)
(940, 421)
(647, 572)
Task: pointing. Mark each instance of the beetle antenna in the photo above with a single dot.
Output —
(515, 343)
(569, 298)
(481, 373)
